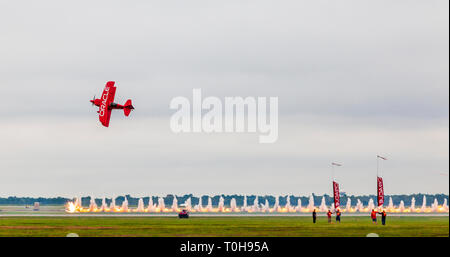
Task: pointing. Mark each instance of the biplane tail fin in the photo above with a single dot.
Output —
(127, 107)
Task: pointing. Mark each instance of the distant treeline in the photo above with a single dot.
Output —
(168, 199)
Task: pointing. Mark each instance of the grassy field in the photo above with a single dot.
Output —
(221, 226)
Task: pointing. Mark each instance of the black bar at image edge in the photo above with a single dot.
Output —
(230, 246)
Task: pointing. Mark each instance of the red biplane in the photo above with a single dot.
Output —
(106, 104)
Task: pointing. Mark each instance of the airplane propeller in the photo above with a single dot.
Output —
(93, 100)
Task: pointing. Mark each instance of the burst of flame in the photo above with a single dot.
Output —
(74, 207)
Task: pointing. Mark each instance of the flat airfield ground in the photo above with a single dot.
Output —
(119, 226)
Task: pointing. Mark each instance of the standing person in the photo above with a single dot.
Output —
(383, 217)
(338, 216)
(329, 216)
(314, 216)
(373, 215)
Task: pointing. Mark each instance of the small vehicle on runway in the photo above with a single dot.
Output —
(184, 214)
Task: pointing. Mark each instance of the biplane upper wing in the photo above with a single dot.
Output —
(104, 112)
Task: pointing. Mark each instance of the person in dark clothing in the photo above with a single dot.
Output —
(338, 216)
(383, 217)
(314, 216)
(329, 213)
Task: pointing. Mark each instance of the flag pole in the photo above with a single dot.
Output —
(335, 186)
(380, 187)
(378, 175)
(332, 172)
(332, 181)
(332, 169)
(378, 166)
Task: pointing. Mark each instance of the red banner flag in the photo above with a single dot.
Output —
(380, 191)
(337, 199)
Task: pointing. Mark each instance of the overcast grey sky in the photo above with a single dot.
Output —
(354, 79)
